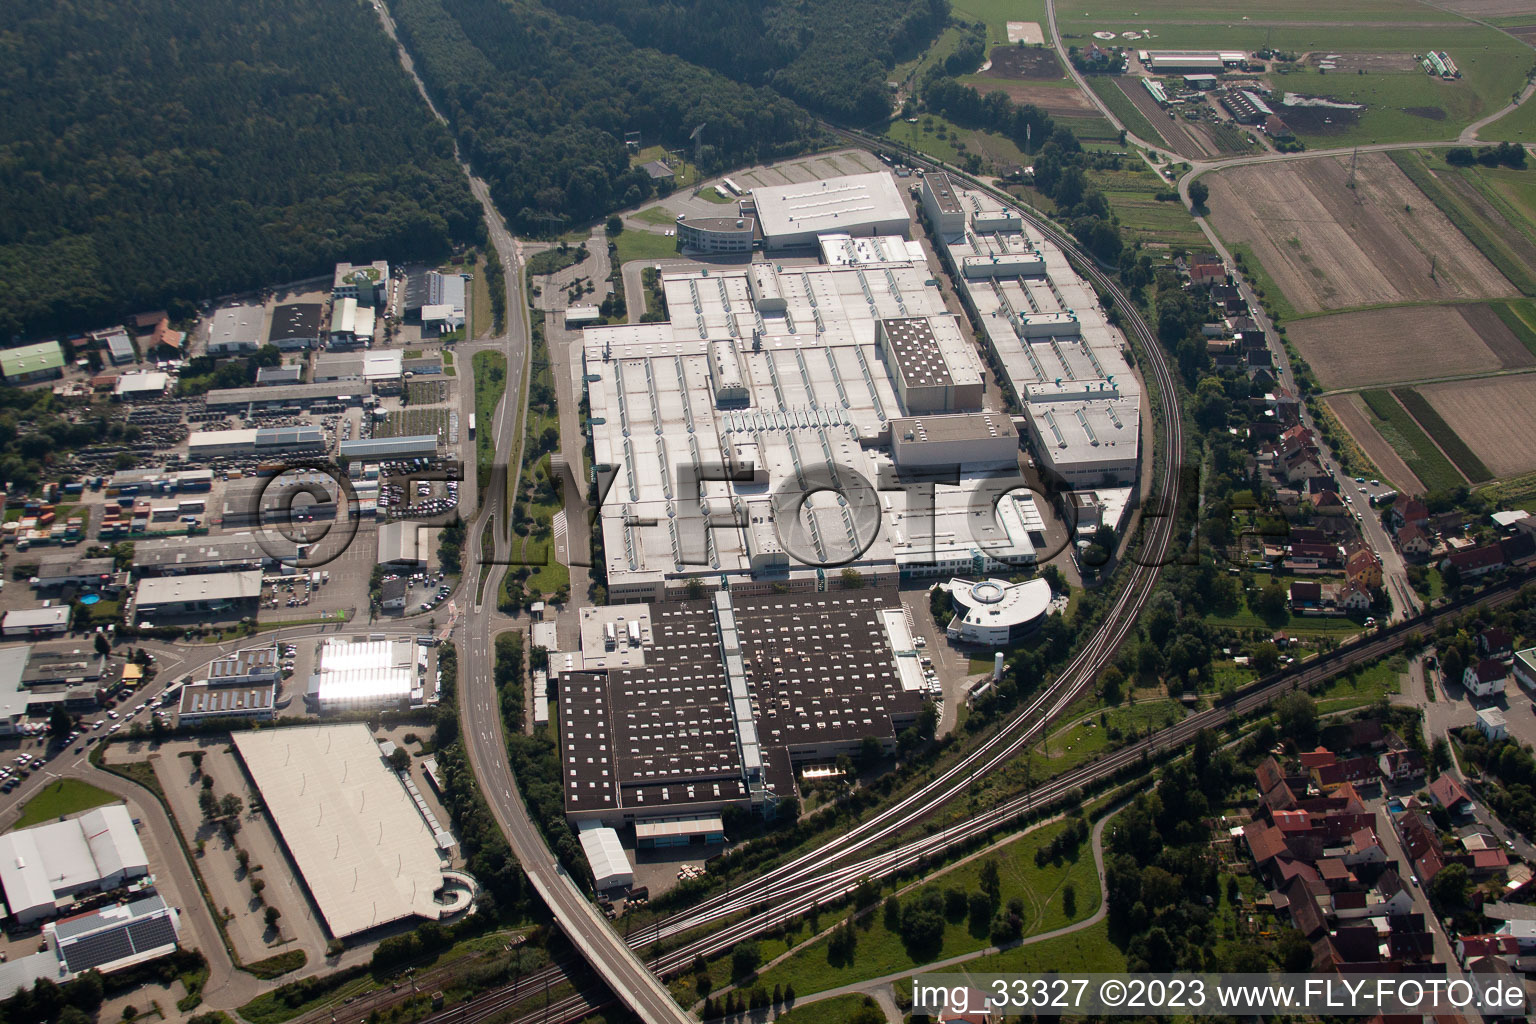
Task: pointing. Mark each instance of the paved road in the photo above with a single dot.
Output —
(479, 704)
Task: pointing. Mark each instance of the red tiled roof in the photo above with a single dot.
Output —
(1317, 758)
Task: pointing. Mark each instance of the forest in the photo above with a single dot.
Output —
(179, 149)
(541, 102)
(833, 56)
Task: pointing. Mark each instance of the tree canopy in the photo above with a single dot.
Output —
(182, 149)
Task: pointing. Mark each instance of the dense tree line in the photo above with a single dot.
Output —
(182, 149)
(35, 429)
(541, 102)
(833, 56)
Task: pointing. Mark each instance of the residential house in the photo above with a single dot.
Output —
(1448, 793)
(1495, 642)
(1364, 849)
(1474, 562)
(144, 324)
(1396, 897)
(1486, 678)
(1306, 596)
(1352, 597)
(1472, 947)
(1401, 765)
(1411, 512)
(1414, 542)
(1207, 267)
(1364, 568)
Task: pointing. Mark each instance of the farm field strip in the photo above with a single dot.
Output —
(1399, 430)
(1353, 415)
(1385, 346)
(1108, 90)
(1463, 205)
(1495, 417)
(1329, 246)
(1520, 318)
(1441, 433)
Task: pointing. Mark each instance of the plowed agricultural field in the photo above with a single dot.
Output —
(1496, 417)
(1329, 246)
(1386, 346)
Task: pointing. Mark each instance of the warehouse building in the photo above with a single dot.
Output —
(371, 368)
(213, 444)
(250, 667)
(332, 396)
(1185, 62)
(792, 216)
(976, 439)
(236, 330)
(1061, 359)
(296, 494)
(363, 849)
(409, 446)
(715, 701)
(1246, 106)
(403, 543)
(934, 367)
(43, 869)
(29, 363)
(296, 326)
(57, 573)
(218, 595)
(352, 324)
(776, 371)
(116, 937)
(201, 701)
(607, 859)
(278, 376)
(50, 620)
(146, 385)
(178, 556)
(366, 674)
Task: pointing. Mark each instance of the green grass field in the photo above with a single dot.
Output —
(997, 14)
(1130, 115)
(644, 245)
(1132, 194)
(1362, 689)
(1089, 951)
(1486, 237)
(946, 141)
(1519, 125)
(1440, 431)
(658, 215)
(881, 951)
(1399, 430)
(66, 796)
(490, 370)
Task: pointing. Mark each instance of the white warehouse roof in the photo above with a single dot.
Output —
(847, 205)
(43, 864)
(610, 865)
(364, 850)
(364, 671)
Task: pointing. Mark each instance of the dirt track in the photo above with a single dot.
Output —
(1186, 139)
(1351, 412)
(1495, 417)
(1328, 246)
(1384, 346)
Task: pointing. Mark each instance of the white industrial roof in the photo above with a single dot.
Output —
(829, 204)
(363, 848)
(40, 864)
(364, 671)
(13, 696)
(401, 541)
(37, 618)
(142, 383)
(238, 326)
(209, 586)
(610, 865)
